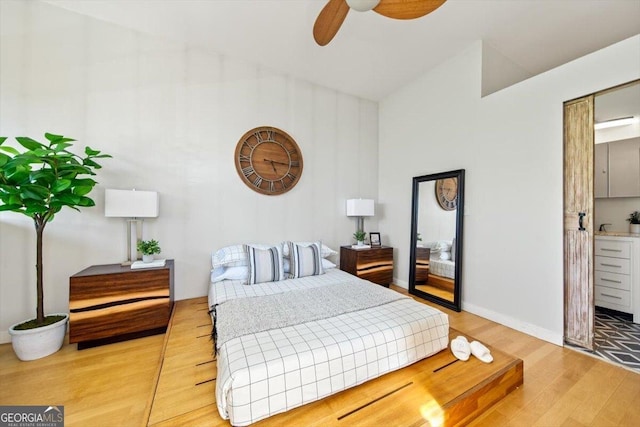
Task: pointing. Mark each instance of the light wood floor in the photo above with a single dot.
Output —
(112, 385)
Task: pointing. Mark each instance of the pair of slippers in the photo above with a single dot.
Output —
(462, 349)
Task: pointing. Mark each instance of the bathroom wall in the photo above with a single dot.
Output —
(615, 211)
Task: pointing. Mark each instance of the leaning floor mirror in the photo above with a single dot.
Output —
(437, 212)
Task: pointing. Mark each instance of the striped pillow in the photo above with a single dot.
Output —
(306, 260)
(265, 265)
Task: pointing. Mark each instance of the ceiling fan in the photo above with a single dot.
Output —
(335, 11)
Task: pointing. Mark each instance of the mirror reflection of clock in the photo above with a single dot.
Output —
(447, 193)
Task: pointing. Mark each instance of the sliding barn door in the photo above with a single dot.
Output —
(578, 222)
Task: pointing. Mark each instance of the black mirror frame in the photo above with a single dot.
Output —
(457, 303)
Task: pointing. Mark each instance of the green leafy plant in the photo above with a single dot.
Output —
(360, 235)
(634, 217)
(38, 182)
(418, 237)
(149, 247)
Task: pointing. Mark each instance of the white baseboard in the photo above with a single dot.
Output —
(517, 324)
(401, 283)
(5, 337)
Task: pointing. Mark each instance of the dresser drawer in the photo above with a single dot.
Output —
(374, 264)
(613, 280)
(612, 248)
(612, 265)
(113, 302)
(614, 299)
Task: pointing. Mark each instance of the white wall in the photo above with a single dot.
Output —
(510, 144)
(171, 117)
(615, 212)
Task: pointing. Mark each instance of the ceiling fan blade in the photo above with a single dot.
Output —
(407, 9)
(329, 21)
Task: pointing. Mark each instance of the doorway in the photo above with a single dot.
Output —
(595, 206)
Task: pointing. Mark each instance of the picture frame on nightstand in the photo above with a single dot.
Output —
(374, 238)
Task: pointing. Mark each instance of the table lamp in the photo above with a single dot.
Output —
(133, 205)
(360, 208)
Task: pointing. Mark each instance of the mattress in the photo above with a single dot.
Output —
(265, 373)
(444, 268)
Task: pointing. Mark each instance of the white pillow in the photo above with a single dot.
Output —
(445, 256)
(325, 252)
(265, 265)
(306, 260)
(233, 256)
(230, 256)
(326, 265)
(229, 273)
(442, 246)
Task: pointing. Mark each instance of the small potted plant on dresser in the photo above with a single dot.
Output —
(360, 236)
(38, 182)
(149, 248)
(634, 222)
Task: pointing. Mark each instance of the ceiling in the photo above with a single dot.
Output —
(372, 55)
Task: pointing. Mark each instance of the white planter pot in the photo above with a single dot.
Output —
(634, 228)
(147, 258)
(32, 344)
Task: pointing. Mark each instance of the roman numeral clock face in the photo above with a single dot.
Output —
(447, 193)
(268, 160)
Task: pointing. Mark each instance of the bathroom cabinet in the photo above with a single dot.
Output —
(617, 273)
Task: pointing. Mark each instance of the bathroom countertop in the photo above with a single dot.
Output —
(617, 234)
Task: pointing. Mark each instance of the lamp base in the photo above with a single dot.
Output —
(137, 224)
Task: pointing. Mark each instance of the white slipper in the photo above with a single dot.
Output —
(460, 348)
(481, 352)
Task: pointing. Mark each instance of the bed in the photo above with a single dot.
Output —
(265, 372)
(444, 268)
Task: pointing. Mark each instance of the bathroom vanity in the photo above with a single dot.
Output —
(617, 272)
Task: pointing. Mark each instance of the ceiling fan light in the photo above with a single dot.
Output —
(362, 5)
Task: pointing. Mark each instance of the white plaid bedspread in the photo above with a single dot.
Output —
(269, 372)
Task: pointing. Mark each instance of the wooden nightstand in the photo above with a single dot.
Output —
(422, 265)
(109, 303)
(374, 264)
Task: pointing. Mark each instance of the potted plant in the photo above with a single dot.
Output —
(634, 222)
(360, 236)
(148, 249)
(38, 182)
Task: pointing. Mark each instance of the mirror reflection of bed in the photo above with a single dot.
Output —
(436, 244)
(433, 275)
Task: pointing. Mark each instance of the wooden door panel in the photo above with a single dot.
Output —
(578, 222)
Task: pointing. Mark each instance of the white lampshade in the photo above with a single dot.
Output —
(360, 207)
(131, 204)
(362, 5)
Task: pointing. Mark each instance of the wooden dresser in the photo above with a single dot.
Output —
(374, 264)
(422, 265)
(111, 302)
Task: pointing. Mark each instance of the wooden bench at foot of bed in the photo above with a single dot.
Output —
(438, 390)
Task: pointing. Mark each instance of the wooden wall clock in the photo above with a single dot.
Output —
(268, 160)
(447, 193)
